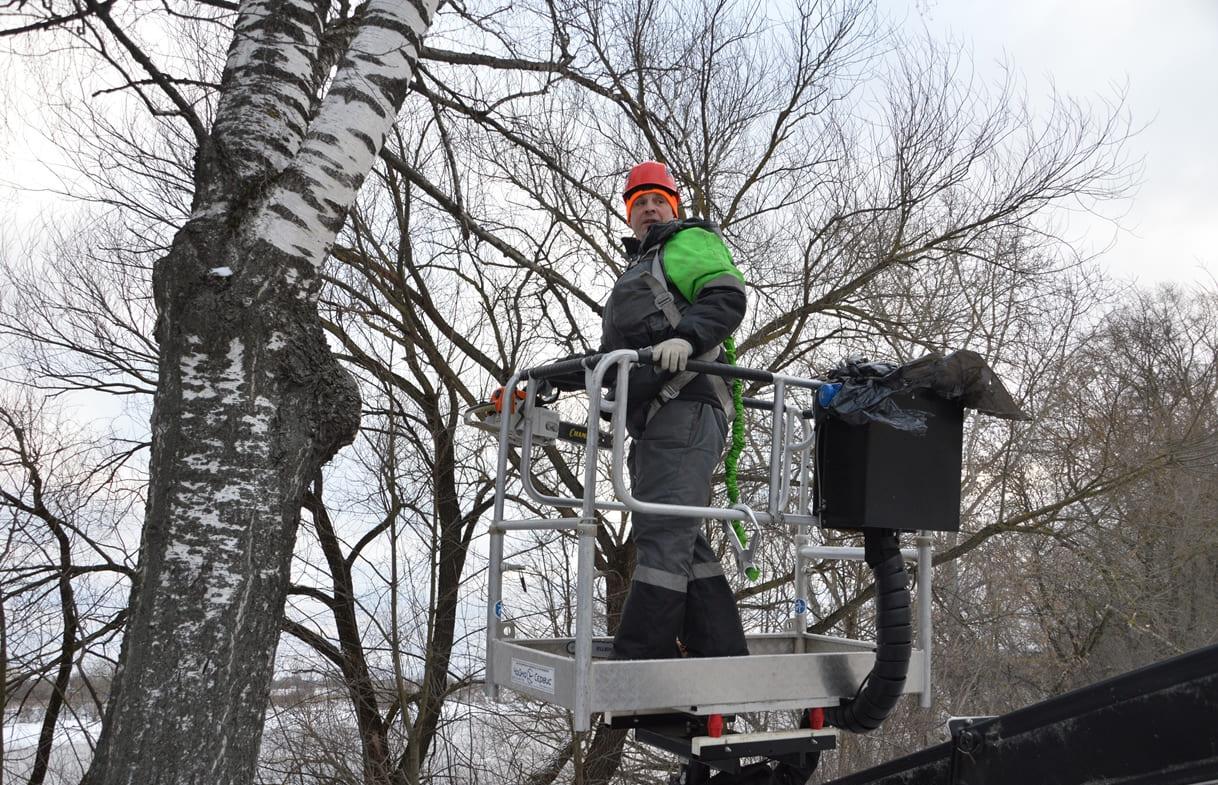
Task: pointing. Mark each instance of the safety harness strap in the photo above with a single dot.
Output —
(657, 281)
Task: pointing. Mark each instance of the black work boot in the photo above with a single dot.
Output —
(712, 625)
(651, 619)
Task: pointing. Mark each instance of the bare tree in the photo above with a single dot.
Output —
(250, 402)
(65, 568)
(1144, 586)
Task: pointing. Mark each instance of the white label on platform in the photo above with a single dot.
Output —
(533, 677)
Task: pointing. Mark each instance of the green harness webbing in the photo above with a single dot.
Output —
(732, 458)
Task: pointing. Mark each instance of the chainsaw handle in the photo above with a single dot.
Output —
(546, 395)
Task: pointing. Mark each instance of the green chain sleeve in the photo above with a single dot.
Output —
(732, 459)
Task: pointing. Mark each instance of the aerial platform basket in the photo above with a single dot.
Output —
(789, 670)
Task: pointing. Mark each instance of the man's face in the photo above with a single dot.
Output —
(650, 208)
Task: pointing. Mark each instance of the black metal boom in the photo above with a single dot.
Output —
(1153, 726)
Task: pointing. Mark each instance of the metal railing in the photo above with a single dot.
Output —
(792, 439)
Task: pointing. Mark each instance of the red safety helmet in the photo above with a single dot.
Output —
(650, 176)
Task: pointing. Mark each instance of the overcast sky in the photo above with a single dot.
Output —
(1165, 53)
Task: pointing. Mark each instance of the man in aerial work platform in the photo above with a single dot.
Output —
(682, 296)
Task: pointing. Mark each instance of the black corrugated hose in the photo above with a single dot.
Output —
(894, 639)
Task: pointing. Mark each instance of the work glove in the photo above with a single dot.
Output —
(672, 355)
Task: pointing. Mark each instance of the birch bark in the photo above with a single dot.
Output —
(250, 401)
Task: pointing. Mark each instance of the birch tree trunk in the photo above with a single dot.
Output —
(250, 401)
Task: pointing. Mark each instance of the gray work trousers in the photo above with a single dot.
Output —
(679, 590)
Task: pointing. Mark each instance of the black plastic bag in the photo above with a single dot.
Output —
(861, 391)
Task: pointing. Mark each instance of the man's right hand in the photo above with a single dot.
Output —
(672, 355)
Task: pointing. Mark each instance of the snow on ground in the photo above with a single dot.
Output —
(70, 752)
(21, 735)
(315, 741)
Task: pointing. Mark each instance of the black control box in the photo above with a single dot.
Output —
(876, 476)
